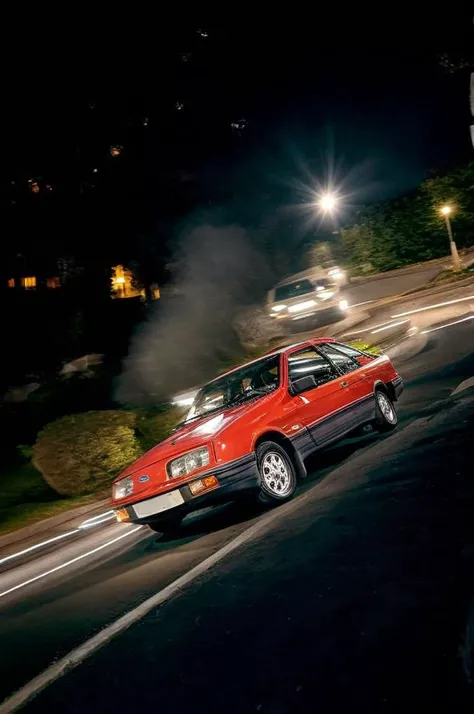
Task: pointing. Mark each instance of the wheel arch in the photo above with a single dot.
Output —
(285, 443)
(381, 386)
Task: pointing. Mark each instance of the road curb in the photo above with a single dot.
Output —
(59, 520)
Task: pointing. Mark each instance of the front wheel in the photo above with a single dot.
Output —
(277, 474)
(386, 417)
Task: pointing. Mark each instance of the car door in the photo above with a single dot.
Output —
(318, 407)
(360, 389)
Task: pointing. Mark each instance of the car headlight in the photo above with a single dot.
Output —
(278, 308)
(188, 463)
(123, 488)
(344, 305)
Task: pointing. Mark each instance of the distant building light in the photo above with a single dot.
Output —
(203, 33)
(11, 282)
(154, 291)
(53, 283)
(94, 171)
(34, 187)
(179, 106)
(29, 283)
(122, 283)
(116, 150)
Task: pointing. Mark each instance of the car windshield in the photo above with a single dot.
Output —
(249, 382)
(300, 287)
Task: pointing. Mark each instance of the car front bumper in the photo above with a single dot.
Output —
(234, 479)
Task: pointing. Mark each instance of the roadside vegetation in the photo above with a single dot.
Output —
(410, 229)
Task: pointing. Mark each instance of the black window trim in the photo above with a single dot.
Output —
(325, 358)
(338, 370)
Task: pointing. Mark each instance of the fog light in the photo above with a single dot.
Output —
(203, 484)
(121, 514)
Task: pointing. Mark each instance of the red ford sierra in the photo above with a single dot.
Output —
(251, 430)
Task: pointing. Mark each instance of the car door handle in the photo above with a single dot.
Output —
(344, 384)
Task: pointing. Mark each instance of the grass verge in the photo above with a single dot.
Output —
(25, 498)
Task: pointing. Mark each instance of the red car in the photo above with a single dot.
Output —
(252, 429)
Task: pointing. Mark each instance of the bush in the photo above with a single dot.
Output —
(154, 425)
(82, 453)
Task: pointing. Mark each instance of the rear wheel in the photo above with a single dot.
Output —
(386, 417)
(277, 474)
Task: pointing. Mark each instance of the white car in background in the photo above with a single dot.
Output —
(313, 296)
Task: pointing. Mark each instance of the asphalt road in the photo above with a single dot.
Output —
(331, 606)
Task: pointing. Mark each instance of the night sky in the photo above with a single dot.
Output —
(234, 117)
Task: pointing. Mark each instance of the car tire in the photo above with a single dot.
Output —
(166, 526)
(386, 418)
(277, 474)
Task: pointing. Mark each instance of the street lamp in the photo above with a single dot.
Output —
(446, 212)
(328, 202)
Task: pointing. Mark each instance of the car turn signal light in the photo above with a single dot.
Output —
(121, 514)
(203, 484)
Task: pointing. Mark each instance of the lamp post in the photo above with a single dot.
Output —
(446, 212)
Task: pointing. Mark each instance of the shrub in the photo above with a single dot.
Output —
(82, 453)
(154, 425)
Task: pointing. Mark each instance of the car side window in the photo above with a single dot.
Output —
(307, 363)
(349, 351)
(344, 363)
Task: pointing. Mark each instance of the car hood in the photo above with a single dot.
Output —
(191, 436)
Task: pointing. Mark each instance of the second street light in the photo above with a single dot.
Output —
(446, 212)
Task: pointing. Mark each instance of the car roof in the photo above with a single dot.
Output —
(316, 273)
(278, 351)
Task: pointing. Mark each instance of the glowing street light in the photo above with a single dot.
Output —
(446, 212)
(328, 202)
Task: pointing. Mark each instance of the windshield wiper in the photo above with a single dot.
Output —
(250, 394)
(202, 415)
(243, 396)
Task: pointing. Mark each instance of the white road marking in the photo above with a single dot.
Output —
(387, 327)
(449, 324)
(89, 523)
(69, 562)
(358, 304)
(38, 545)
(79, 654)
(431, 307)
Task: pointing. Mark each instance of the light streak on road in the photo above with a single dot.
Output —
(368, 329)
(387, 327)
(89, 523)
(449, 324)
(432, 307)
(38, 545)
(358, 304)
(99, 517)
(70, 562)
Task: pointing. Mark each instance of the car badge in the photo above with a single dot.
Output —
(144, 478)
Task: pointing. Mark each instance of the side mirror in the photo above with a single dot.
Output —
(303, 384)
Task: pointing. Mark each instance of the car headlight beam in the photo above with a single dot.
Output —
(188, 463)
